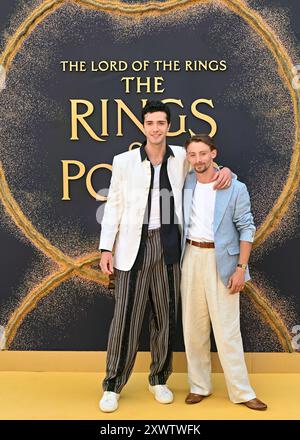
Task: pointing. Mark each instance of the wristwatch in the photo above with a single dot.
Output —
(243, 266)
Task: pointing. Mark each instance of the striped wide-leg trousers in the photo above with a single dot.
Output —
(159, 283)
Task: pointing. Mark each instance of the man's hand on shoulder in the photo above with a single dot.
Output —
(223, 179)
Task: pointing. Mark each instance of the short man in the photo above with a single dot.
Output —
(216, 245)
(143, 218)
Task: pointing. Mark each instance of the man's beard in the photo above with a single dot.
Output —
(202, 170)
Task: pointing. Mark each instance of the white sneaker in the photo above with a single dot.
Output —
(109, 401)
(161, 393)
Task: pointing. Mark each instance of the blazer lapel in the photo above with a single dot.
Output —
(188, 193)
(222, 200)
(146, 175)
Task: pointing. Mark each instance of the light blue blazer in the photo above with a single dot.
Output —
(233, 221)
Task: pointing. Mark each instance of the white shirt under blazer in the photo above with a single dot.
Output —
(202, 213)
(127, 200)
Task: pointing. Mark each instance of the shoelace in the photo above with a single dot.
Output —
(109, 396)
(164, 389)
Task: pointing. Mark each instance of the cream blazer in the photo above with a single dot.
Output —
(122, 222)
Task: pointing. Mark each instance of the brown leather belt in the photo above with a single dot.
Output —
(203, 244)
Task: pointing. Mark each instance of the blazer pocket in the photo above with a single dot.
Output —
(233, 250)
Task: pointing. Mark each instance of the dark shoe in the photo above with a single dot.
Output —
(192, 398)
(256, 404)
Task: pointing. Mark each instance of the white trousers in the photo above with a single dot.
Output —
(206, 300)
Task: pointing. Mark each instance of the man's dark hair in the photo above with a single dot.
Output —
(156, 106)
(205, 138)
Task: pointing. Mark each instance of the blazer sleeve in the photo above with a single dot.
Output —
(113, 208)
(243, 217)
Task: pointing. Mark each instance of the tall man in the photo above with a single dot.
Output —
(143, 219)
(216, 245)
